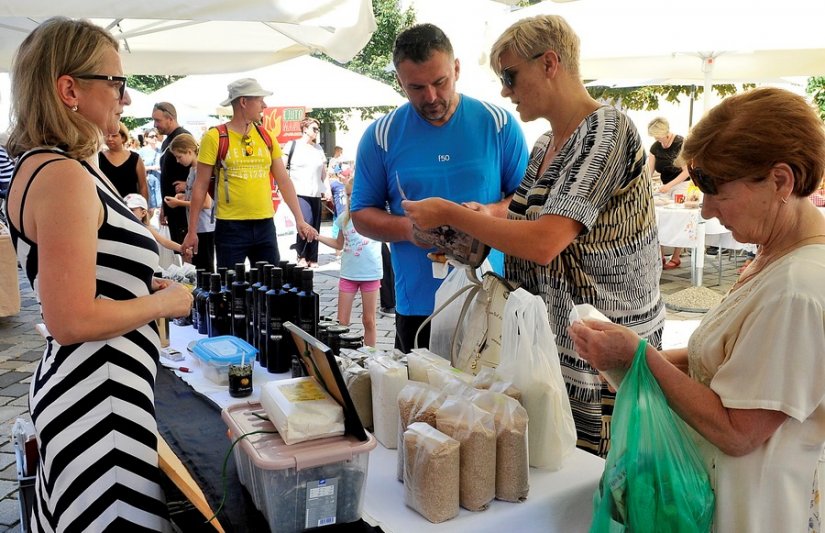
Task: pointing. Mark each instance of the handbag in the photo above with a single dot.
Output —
(654, 478)
(476, 338)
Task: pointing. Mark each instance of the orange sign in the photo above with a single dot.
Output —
(284, 122)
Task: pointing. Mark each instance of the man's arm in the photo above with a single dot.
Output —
(379, 225)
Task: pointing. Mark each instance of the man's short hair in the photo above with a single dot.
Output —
(167, 109)
(418, 43)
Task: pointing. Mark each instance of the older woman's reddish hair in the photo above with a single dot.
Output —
(747, 134)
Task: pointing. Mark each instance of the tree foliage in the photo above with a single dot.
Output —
(374, 60)
(647, 98)
(146, 83)
(816, 90)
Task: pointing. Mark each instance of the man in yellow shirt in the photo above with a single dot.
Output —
(243, 194)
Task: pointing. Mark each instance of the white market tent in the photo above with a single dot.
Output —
(208, 36)
(302, 81)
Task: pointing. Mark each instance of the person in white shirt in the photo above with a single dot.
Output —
(306, 164)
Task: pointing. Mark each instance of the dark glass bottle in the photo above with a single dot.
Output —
(253, 315)
(277, 359)
(308, 303)
(219, 322)
(260, 309)
(239, 310)
(202, 304)
(251, 279)
(195, 292)
(222, 273)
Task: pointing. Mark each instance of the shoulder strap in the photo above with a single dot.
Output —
(223, 143)
(264, 135)
(289, 157)
(31, 179)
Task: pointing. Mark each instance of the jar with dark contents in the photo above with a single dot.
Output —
(322, 330)
(334, 337)
(350, 340)
(240, 380)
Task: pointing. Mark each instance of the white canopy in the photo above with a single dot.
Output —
(302, 81)
(207, 36)
(730, 39)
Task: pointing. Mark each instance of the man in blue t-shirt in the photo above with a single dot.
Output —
(441, 144)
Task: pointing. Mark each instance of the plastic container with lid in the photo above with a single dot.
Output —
(300, 486)
(215, 354)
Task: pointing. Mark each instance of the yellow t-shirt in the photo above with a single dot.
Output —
(247, 194)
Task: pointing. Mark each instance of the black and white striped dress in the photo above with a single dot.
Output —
(92, 403)
(598, 179)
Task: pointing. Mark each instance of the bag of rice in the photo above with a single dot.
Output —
(359, 386)
(387, 378)
(512, 460)
(475, 429)
(431, 472)
(421, 359)
(417, 402)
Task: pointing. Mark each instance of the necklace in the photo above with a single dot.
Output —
(557, 140)
(758, 266)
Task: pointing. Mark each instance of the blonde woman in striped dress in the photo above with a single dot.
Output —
(91, 264)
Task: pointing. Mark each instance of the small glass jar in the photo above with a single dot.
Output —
(323, 325)
(240, 380)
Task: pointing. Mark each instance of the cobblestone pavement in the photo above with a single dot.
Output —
(21, 347)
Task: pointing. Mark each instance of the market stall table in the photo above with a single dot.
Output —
(558, 501)
(684, 227)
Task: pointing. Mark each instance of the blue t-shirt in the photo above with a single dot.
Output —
(478, 155)
(361, 258)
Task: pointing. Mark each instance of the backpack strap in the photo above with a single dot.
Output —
(265, 136)
(289, 157)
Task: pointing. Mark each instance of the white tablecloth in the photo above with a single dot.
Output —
(559, 502)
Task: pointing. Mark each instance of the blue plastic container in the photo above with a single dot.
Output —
(215, 354)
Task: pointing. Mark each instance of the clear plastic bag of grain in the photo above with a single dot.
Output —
(387, 378)
(417, 402)
(438, 376)
(419, 360)
(359, 386)
(487, 379)
(512, 459)
(475, 429)
(431, 472)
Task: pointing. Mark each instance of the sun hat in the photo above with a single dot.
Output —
(135, 200)
(244, 87)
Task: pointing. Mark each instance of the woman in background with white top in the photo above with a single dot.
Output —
(306, 164)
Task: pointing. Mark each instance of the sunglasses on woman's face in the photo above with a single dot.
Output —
(705, 182)
(119, 80)
(152, 136)
(508, 77)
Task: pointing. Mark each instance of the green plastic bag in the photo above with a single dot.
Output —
(654, 479)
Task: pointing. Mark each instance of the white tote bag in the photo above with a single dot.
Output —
(530, 360)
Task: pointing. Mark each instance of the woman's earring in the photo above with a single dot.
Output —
(74, 107)
(784, 200)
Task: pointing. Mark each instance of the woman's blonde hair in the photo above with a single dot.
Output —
(658, 127)
(183, 143)
(59, 46)
(747, 134)
(533, 35)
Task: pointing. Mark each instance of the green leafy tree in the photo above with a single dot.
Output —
(373, 60)
(647, 98)
(816, 90)
(146, 83)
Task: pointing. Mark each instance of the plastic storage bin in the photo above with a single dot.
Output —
(301, 486)
(215, 354)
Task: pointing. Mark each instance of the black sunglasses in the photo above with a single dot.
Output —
(119, 79)
(705, 182)
(508, 79)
